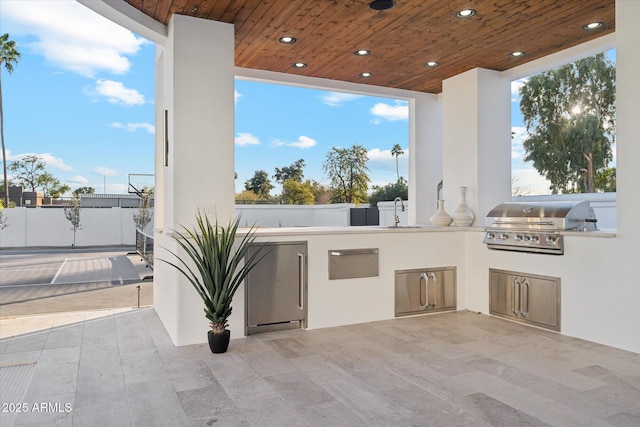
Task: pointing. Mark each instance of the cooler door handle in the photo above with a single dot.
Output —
(301, 281)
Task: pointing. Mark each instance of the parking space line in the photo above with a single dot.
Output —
(59, 271)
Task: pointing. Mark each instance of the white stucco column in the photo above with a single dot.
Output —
(476, 139)
(195, 163)
(628, 170)
(628, 117)
(425, 158)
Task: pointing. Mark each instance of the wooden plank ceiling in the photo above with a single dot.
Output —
(401, 39)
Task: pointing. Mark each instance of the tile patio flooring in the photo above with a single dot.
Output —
(439, 370)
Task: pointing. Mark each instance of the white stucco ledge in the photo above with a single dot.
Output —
(597, 233)
(382, 229)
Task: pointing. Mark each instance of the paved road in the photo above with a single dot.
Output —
(61, 280)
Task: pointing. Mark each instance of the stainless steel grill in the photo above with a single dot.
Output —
(536, 227)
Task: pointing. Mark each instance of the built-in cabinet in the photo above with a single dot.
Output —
(421, 291)
(527, 298)
(276, 288)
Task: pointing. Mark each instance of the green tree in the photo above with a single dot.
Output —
(259, 184)
(248, 197)
(83, 190)
(569, 113)
(389, 192)
(32, 175)
(9, 56)
(297, 193)
(145, 213)
(72, 213)
(605, 180)
(321, 194)
(29, 169)
(51, 186)
(396, 152)
(3, 220)
(347, 171)
(293, 171)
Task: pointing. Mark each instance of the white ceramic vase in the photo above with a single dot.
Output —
(441, 218)
(463, 216)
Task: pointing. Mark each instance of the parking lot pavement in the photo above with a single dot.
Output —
(62, 280)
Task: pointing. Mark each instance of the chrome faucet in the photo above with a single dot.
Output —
(395, 210)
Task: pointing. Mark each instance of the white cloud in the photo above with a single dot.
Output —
(132, 127)
(49, 159)
(78, 180)
(515, 88)
(244, 138)
(54, 162)
(399, 111)
(519, 135)
(71, 36)
(236, 96)
(384, 160)
(335, 99)
(103, 170)
(116, 93)
(530, 181)
(303, 142)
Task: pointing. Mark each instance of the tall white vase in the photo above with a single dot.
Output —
(463, 216)
(440, 218)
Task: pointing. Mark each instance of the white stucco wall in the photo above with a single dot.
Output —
(48, 227)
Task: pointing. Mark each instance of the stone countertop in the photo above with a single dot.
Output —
(341, 230)
(291, 231)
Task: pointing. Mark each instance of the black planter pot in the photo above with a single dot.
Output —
(219, 343)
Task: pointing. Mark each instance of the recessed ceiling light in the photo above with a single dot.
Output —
(366, 74)
(593, 25)
(299, 65)
(516, 54)
(382, 4)
(466, 13)
(431, 64)
(362, 52)
(287, 40)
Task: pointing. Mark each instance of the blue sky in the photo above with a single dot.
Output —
(82, 98)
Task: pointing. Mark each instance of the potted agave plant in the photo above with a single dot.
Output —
(216, 264)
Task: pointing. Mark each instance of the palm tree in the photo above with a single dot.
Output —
(8, 56)
(396, 152)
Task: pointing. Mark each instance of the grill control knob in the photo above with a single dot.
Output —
(504, 236)
(518, 237)
(552, 240)
(491, 236)
(534, 239)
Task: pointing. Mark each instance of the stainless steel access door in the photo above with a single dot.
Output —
(527, 298)
(276, 288)
(425, 290)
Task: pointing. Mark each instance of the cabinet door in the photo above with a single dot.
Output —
(527, 298)
(422, 291)
(541, 303)
(500, 293)
(444, 287)
(276, 285)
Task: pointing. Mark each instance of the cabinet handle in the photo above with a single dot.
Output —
(300, 281)
(426, 291)
(515, 284)
(435, 287)
(426, 277)
(524, 298)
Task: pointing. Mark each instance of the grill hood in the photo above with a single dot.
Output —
(558, 215)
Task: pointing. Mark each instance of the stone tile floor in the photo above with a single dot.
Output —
(438, 370)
